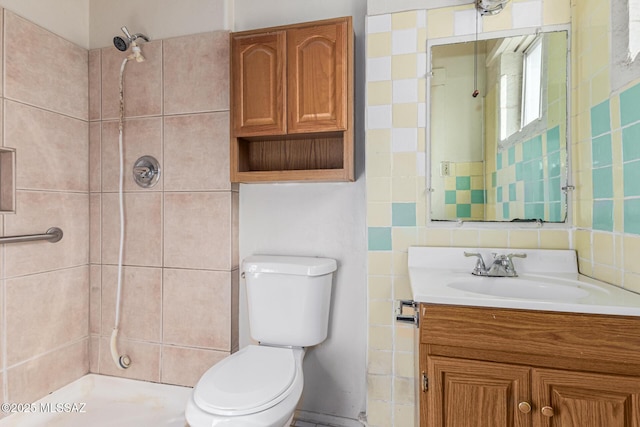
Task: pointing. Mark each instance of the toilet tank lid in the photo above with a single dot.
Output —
(298, 265)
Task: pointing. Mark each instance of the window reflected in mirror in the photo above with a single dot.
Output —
(500, 156)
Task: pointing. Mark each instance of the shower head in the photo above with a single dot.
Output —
(123, 43)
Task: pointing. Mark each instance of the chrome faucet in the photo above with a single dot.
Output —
(502, 265)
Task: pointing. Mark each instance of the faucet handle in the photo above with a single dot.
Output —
(517, 255)
(480, 269)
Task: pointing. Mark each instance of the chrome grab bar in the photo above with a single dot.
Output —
(54, 234)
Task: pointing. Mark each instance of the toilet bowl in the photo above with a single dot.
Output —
(261, 385)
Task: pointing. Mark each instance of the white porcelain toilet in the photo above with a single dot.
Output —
(259, 386)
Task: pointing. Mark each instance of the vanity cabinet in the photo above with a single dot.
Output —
(292, 103)
(499, 367)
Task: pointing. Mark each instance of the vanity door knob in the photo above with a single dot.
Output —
(547, 411)
(524, 407)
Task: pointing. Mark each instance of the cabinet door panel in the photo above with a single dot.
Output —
(317, 68)
(258, 72)
(581, 399)
(466, 393)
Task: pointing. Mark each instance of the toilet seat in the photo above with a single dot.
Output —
(249, 381)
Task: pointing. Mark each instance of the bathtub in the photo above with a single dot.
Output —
(101, 401)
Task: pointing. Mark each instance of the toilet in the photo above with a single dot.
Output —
(259, 386)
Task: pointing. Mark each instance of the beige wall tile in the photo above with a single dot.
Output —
(140, 305)
(185, 366)
(94, 354)
(141, 137)
(95, 300)
(36, 212)
(95, 156)
(380, 362)
(379, 413)
(380, 337)
(196, 149)
(196, 73)
(30, 381)
(143, 228)
(95, 84)
(44, 69)
(235, 230)
(197, 230)
(52, 149)
(379, 387)
(95, 224)
(53, 307)
(145, 360)
(196, 307)
(142, 82)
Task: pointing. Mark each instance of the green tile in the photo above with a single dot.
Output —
(499, 161)
(505, 211)
(499, 194)
(494, 179)
(555, 190)
(602, 183)
(603, 215)
(519, 173)
(511, 154)
(534, 210)
(532, 170)
(601, 154)
(450, 197)
(553, 139)
(600, 119)
(532, 149)
(631, 143)
(632, 216)
(512, 192)
(477, 196)
(631, 176)
(555, 212)
(379, 238)
(463, 183)
(630, 105)
(403, 214)
(553, 164)
(534, 191)
(463, 210)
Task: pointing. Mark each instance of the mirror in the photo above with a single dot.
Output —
(500, 155)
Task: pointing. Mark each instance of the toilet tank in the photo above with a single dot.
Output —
(289, 298)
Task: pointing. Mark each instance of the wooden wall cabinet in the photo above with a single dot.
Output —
(505, 368)
(292, 103)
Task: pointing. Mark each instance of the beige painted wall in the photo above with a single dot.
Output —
(66, 18)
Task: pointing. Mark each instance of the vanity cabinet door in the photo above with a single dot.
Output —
(467, 393)
(258, 87)
(317, 67)
(579, 399)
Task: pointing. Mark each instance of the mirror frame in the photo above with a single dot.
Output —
(437, 223)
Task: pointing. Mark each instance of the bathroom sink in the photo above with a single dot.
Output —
(525, 288)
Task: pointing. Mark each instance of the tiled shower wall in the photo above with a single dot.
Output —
(180, 276)
(396, 202)
(44, 287)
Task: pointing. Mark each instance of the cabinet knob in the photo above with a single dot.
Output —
(547, 411)
(524, 407)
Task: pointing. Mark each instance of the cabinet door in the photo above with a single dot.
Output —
(258, 84)
(317, 68)
(578, 399)
(466, 393)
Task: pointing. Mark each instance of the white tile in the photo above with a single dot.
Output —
(379, 117)
(421, 67)
(421, 158)
(422, 115)
(404, 140)
(378, 24)
(405, 91)
(526, 14)
(379, 69)
(404, 41)
(464, 22)
(422, 19)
